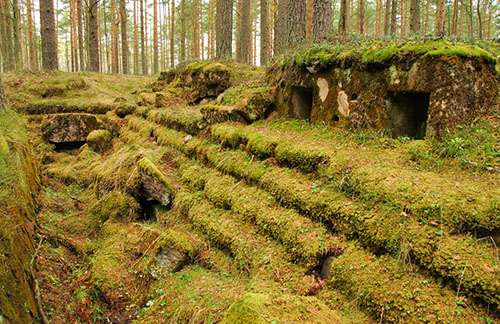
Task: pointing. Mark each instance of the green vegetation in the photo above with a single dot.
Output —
(327, 54)
(99, 140)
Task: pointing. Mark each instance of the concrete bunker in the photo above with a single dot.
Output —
(411, 94)
(407, 113)
(302, 101)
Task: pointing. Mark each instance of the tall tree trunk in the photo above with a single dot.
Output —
(378, 16)
(183, 30)
(72, 37)
(136, 39)
(155, 37)
(93, 36)
(7, 45)
(310, 14)
(81, 51)
(31, 43)
(479, 19)
(114, 37)
(16, 33)
(49, 42)
(403, 18)
(196, 30)
(394, 12)
(280, 27)
(172, 30)
(415, 16)
(322, 19)
(361, 17)
(387, 22)
(123, 21)
(143, 41)
(245, 33)
(239, 11)
(440, 17)
(343, 17)
(3, 100)
(224, 29)
(264, 33)
(296, 23)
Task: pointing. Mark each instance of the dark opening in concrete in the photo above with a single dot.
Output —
(407, 112)
(147, 209)
(68, 146)
(302, 101)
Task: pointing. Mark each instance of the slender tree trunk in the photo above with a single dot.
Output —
(3, 100)
(440, 17)
(81, 51)
(296, 22)
(155, 37)
(322, 19)
(394, 12)
(183, 31)
(479, 19)
(123, 21)
(245, 32)
(49, 42)
(16, 34)
(378, 19)
(361, 17)
(31, 44)
(387, 23)
(143, 41)
(343, 17)
(93, 36)
(7, 43)
(280, 28)
(309, 26)
(136, 40)
(403, 18)
(224, 29)
(264, 33)
(114, 37)
(172, 30)
(196, 30)
(415, 16)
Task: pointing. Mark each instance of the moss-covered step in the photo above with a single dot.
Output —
(378, 174)
(381, 227)
(305, 240)
(99, 140)
(413, 308)
(183, 118)
(130, 253)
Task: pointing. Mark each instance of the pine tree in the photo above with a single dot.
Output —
(172, 30)
(322, 19)
(33, 62)
(49, 43)
(296, 22)
(264, 32)
(123, 24)
(224, 29)
(415, 16)
(183, 31)
(280, 27)
(81, 51)
(245, 33)
(94, 60)
(155, 37)
(343, 17)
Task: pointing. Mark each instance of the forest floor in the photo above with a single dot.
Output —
(274, 221)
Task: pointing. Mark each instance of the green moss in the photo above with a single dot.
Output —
(116, 207)
(327, 54)
(280, 308)
(150, 169)
(99, 140)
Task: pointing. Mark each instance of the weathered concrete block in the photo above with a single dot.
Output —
(68, 128)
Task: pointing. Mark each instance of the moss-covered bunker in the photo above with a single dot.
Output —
(414, 89)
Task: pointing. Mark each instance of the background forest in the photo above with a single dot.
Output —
(146, 36)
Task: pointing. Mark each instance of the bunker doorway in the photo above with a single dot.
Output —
(408, 112)
(302, 101)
